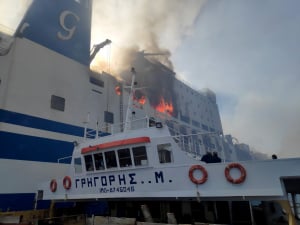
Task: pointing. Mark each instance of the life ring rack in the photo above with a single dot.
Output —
(203, 179)
(67, 182)
(242, 170)
(53, 185)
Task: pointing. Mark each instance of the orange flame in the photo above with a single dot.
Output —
(141, 100)
(118, 90)
(164, 107)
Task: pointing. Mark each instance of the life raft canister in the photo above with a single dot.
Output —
(204, 174)
(67, 182)
(242, 170)
(53, 185)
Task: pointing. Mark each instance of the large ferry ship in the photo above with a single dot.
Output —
(50, 98)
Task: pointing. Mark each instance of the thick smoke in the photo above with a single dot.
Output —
(140, 30)
(142, 25)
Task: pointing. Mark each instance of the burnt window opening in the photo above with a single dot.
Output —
(96, 81)
(58, 103)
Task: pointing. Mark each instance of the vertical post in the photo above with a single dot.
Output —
(85, 126)
(146, 213)
(97, 130)
(251, 214)
(129, 105)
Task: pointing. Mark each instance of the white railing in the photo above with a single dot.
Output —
(194, 144)
(115, 128)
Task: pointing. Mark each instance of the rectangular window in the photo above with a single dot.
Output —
(204, 127)
(57, 103)
(89, 165)
(99, 162)
(97, 82)
(140, 156)
(110, 159)
(124, 157)
(164, 153)
(108, 117)
(77, 165)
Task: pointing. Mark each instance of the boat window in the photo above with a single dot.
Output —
(77, 165)
(164, 153)
(99, 162)
(124, 157)
(140, 156)
(111, 160)
(89, 166)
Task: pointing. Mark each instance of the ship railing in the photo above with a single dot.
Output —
(63, 158)
(193, 144)
(109, 129)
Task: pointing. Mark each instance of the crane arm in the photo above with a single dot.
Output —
(96, 48)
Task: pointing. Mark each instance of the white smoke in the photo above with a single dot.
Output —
(11, 13)
(136, 25)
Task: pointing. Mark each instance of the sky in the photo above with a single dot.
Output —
(247, 52)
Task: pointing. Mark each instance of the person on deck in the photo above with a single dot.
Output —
(208, 157)
(216, 158)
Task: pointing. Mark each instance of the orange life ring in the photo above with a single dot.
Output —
(67, 182)
(53, 185)
(204, 174)
(242, 170)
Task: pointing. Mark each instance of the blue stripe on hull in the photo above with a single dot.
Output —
(19, 202)
(25, 147)
(39, 123)
(26, 201)
(44, 124)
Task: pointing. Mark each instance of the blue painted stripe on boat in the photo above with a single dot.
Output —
(26, 201)
(25, 147)
(20, 201)
(39, 123)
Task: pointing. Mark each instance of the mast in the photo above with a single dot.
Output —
(130, 99)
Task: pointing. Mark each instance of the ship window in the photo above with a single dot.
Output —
(164, 153)
(140, 156)
(89, 166)
(96, 81)
(108, 117)
(111, 160)
(77, 165)
(99, 162)
(124, 157)
(57, 103)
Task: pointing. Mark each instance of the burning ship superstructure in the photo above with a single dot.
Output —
(49, 98)
(185, 110)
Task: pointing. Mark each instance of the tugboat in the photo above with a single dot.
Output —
(144, 162)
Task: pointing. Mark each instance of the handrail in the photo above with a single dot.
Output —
(67, 157)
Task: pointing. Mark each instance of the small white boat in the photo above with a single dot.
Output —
(144, 162)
